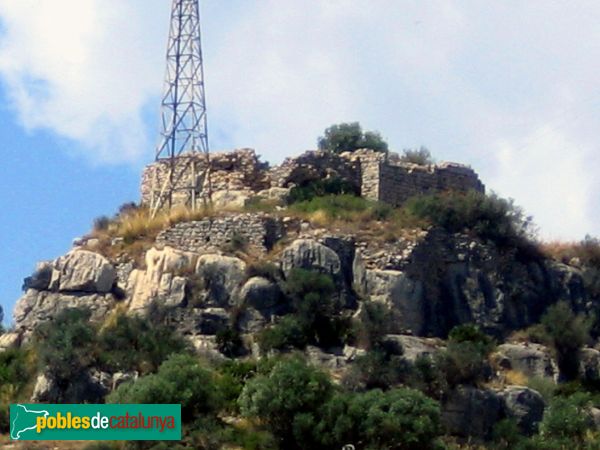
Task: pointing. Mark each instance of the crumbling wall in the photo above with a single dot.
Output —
(315, 165)
(257, 231)
(377, 176)
(238, 170)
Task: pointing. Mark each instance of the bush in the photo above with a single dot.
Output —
(348, 137)
(397, 419)
(288, 333)
(472, 333)
(292, 394)
(372, 325)
(321, 188)
(568, 418)
(67, 345)
(489, 217)
(461, 363)
(420, 156)
(568, 332)
(101, 223)
(135, 343)
(311, 294)
(180, 380)
(229, 342)
(377, 370)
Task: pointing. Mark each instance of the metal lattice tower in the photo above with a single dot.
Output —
(184, 122)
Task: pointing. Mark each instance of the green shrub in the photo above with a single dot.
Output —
(285, 399)
(461, 363)
(472, 333)
(377, 370)
(15, 368)
(397, 419)
(181, 379)
(372, 325)
(229, 342)
(311, 295)
(348, 137)
(420, 156)
(101, 223)
(136, 343)
(568, 418)
(237, 243)
(568, 332)
(506, 434)
(233, 375)
(488, 216)
(67, 345)
(321, 188)
(290, 332)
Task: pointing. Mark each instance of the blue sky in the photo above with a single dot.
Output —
(509, 87)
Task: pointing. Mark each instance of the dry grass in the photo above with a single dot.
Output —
(515, 378)
(586, 251)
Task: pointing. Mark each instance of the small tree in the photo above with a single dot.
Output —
(288, 400)
(421, 156)
(348, 137)
(568, 332)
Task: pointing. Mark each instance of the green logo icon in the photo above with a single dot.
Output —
(95, 422)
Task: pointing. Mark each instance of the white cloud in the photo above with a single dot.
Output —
(83, 69)
(508, 87)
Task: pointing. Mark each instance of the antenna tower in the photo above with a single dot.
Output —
(184, 131)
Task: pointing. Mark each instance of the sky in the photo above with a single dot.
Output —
(510, 88)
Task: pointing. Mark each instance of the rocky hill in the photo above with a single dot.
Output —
(447, 281)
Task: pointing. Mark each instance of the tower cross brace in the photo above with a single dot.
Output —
(184, 128)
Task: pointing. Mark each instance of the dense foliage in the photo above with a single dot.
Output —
(348, 137)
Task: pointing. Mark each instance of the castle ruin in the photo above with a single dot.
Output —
(239, 175)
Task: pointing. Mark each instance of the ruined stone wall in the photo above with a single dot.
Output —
(238, 170)
(315, 165)
(215, 234)
(377, 176)
(388, 180)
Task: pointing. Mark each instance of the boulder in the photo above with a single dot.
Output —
(325, 360)
(36, 307)
(122, 377)
(589, 365)
(525, 406)
(260, 293)
(533, 360)
(159, 282)
(9, 340)
(275, 194)
(410, 347)
(251, 321)
(211, 321)
(226, 199)
(89, 387)
(82, 271)
(40, 280)
(310, 255)
(222, 278)
(471, 412)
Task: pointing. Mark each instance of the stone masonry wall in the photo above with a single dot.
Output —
(238, 170)
(377, 176)
(215, 233)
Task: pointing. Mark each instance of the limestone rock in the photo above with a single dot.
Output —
(158, 283)
(41, 278)
(411, 347)
(524, 405)
(309, 254)
(325, 360)
(230, 199)
(589, 365)
(471, 412)
(36, 307)
(88, 387)
(260, 293)
(276, 194)
(9, 340)
(533, 360)
(251, 321)
(212, 320)
(83, 271)
(222, 276)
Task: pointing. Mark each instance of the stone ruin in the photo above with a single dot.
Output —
(236, 176)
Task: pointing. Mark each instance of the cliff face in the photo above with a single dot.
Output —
(432, 281)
